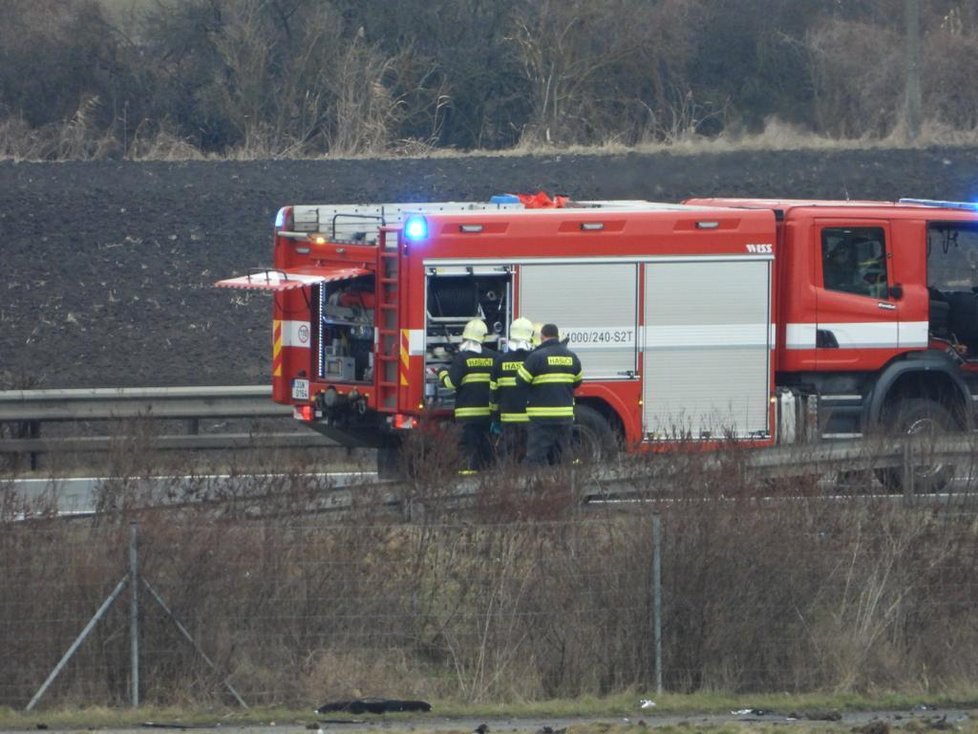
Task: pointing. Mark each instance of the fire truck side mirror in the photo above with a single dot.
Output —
(896, 291)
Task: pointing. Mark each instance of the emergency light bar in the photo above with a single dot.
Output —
(283, 218)
(967, 205)
(415, 228)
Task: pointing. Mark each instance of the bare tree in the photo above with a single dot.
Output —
(911, 11)
(857, 79)
(52, 57)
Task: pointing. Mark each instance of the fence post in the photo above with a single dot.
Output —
(134, 611)
(657, 598)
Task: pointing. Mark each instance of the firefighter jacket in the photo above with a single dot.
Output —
(552, 372)
(470, 376)
(510, 396)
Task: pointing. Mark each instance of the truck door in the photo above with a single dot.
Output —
(707, 341)
(454, 294)
(595, 306)
(858, 316)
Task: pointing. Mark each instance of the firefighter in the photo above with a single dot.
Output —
(536, 338)
(470, 376)
(510, 397)
(551, 372)
(839, 271)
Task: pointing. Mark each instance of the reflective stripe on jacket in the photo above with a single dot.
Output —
(470, 376)
(552, 372)
(510, 396)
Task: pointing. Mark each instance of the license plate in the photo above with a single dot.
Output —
(300, 389)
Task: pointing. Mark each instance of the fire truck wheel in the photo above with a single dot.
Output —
(925, 419)
(593, 439)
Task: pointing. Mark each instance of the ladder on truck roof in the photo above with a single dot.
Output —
(361, 223)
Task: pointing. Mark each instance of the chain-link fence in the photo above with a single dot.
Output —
(516, 600)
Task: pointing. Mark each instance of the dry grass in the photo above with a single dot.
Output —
(524, 597)
(74, 141)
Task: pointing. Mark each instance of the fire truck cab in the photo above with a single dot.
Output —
(878, 318)
(754, 320)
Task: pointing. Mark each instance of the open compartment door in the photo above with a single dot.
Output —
(283, 280)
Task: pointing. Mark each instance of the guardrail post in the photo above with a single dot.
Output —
(908, 472)
(34, 431)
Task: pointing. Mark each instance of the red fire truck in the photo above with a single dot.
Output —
(755, 320)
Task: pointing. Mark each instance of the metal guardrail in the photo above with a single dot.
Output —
(25, 411)
(960, 450)
(186, 442)
(636, 478)
(34, 407)
(246, 401)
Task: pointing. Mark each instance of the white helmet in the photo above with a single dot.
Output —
(475, 330)
(521, 330)
(536, 339)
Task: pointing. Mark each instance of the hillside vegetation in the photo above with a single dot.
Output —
(151, 79)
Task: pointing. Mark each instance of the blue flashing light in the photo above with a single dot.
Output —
(967, 205)
(504, 199)
(415, 227)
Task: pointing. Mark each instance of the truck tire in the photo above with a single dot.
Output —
(924, 418)
(593, 439)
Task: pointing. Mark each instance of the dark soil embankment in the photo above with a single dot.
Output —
(109, 266)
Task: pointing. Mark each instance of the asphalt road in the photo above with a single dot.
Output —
(864, 722)
(79, 495)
